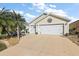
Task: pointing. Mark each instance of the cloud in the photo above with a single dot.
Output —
(29, 17)
(52, 6)
(23, 4)
(57, 12)
(43, 6)
(20, 12)
(30, 8)
(0, 8)
(37, 7)
(40, 6)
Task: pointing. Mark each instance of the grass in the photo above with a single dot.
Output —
(2, 46)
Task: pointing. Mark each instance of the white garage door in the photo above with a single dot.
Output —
(50, 29)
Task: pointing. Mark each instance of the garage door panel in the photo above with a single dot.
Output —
(50, 29)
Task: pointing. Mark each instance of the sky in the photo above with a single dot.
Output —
(32, 10)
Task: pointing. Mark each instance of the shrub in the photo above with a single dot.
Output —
(2, 46)
(76, 33)
(66, 34)
(36, 33)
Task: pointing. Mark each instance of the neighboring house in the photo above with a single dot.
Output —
(49, 23)
(74, 27)
(26, 30)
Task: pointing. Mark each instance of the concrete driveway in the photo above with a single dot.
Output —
(42, 45)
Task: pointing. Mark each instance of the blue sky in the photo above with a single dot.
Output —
(32, 10)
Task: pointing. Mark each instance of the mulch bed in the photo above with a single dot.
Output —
(74, 39)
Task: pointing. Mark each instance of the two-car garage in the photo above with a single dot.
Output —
(54, 29)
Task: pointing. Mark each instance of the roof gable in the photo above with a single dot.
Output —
(49, 14)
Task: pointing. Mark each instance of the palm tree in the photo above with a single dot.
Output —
(10, 22)
(6, 21)
(3, 19)
(19, 22)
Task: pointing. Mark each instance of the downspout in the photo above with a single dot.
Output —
(63, 29)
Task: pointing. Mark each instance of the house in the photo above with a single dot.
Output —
(49, 23)
(74, 27)
(26, 28)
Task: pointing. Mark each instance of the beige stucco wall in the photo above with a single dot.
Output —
(43, 16)
(54, 21)
(66, 28)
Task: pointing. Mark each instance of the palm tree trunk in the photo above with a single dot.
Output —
(18, 34)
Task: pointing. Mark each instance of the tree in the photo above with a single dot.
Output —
(19, 22)
(10, 22)
(3, 18)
